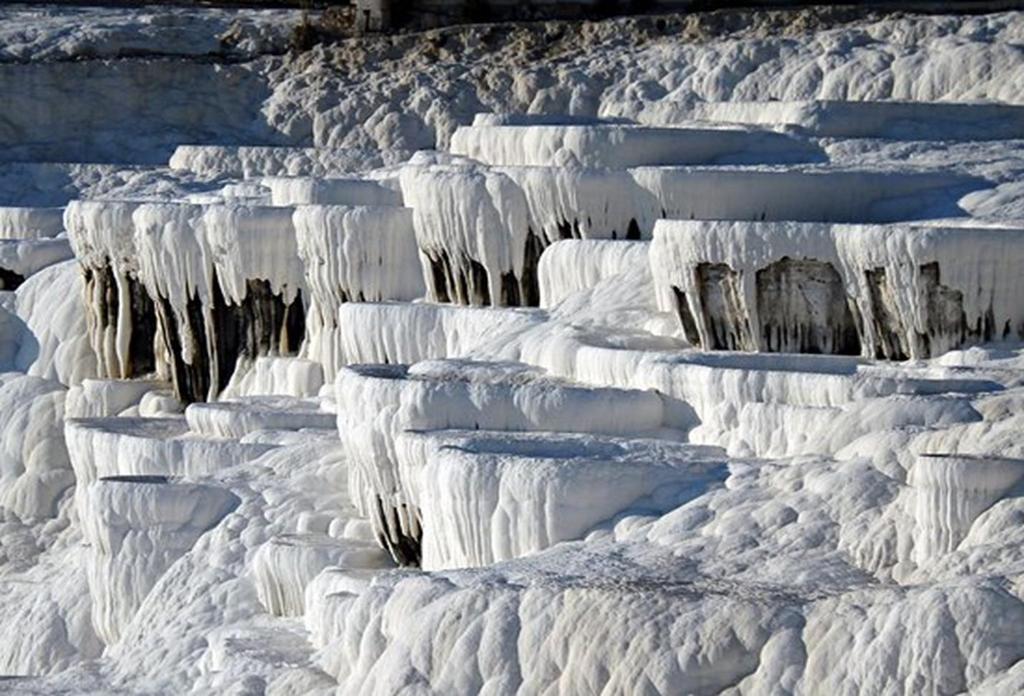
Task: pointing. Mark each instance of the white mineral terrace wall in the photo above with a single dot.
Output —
(621, 146)
(481, 230)
(854, 119)
(29, 242)
(352, 254)
(227, 281)
(472, 228)
(887, 291)
(635, 485)
(236, 419)
(407, 333)
(809, 194)
(485, 497)
(950, 492)
(18, 222)
(285, 566)
(377, 403)
(21, 258)
(101, 447)
(572, 265)
(137, 527)
(307, 190)
(120, 315)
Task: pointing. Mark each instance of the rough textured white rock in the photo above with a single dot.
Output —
(570, 266)
(34, 467)
(23, 258)
(312, 190)
(30, 223)
(284, 567)
(618, 145)
(376, 404)
(137, 527)
(391, 332)
(485, 497)
(236, 419)
(98, 398)
(101, 447)
(752, 522)
(951, 490)
(275, 376)
(53, 337)
(855, 119)
(813, 194)
(212, 161)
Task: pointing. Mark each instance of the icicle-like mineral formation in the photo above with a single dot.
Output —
(885, 291)
(227, 283)
(352, 254)
(121, 315)
(473, 231)
(481, 230)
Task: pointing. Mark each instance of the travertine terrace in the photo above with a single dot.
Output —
(657, 355)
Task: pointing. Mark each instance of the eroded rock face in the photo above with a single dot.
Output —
(945, 324)
(885, 317)
(119, 308)
(228, 287)
(803, 308)
(263, 324)
(722, 307)
(892, 292)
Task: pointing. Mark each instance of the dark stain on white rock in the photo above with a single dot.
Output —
(686, 317)
(10, 280)
(263, 324)
(101, 285)
(399, 532)
(802, 307)
(725, 321)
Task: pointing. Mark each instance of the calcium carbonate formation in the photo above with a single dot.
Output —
(694, 368)
(893, 291)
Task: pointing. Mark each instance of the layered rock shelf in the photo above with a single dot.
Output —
(692, 364)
